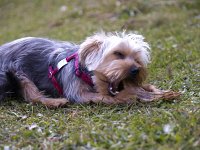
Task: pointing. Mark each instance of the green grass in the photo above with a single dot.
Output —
(173, 30)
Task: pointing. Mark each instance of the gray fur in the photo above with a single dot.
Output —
(32, 56)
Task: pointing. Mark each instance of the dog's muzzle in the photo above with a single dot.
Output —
(115, 87)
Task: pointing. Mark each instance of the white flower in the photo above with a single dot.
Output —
(63, 8)
(168, 128)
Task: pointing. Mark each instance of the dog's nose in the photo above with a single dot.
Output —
(134, 70)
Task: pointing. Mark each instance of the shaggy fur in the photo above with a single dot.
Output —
(118, 62)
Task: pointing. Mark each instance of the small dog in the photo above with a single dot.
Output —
(106, 67)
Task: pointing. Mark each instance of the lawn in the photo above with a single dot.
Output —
(173, 30)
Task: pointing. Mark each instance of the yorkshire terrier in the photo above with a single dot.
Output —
(106, 67)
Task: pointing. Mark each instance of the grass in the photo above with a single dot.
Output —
(173, 30)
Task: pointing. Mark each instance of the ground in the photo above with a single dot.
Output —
(173, 30)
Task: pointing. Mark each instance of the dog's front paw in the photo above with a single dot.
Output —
(170, 95)
(154, 96)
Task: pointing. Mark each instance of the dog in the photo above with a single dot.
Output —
(106, 67)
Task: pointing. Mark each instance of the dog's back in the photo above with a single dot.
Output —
(30, 56)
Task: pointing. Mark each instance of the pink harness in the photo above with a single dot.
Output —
(79, 73)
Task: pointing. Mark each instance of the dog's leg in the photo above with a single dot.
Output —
(87, 97)
(31, 93)
(150, 93)
(122, 97)
(151, 88)
(129, 95)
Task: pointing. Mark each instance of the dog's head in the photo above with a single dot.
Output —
(121, 58)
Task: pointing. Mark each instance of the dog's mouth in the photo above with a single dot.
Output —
(115, 87)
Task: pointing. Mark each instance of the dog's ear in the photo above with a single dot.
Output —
(91, 51)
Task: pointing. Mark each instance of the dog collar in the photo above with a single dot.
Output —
(80, 72)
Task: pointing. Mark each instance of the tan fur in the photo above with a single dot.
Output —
(131, 92)
(115, 69)
(31, 94)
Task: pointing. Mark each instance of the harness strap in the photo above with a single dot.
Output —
(85, 76)
(51, 76)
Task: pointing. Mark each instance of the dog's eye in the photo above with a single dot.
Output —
(119, 55)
